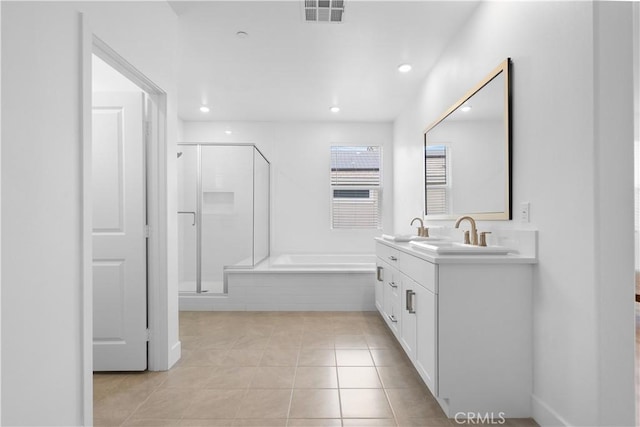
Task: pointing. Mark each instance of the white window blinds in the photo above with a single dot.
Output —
(436, 179)
(355, 187)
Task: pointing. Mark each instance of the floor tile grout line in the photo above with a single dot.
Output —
(142, 403)
(293, 384)
(386, 394)
(335, 355)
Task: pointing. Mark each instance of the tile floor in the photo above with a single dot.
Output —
(276, 369)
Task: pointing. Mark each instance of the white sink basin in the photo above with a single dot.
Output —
(454, 248)
(407, 238)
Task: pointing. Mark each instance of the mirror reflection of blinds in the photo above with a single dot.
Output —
(355, 187)
(436, 165)
(436, 178)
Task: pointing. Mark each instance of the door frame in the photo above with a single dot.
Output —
(157, 215)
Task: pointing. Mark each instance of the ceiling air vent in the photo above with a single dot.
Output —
(323, 10)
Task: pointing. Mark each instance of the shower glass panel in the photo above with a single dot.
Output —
(227, 213)
(227, 189)
(261, 207)
(187, 220)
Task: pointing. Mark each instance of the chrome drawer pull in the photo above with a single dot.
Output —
(379, 273)
(409, 301)
(393, 284)
(392, 258)
(392, 318)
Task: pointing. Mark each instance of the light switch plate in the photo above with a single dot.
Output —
(524, 211)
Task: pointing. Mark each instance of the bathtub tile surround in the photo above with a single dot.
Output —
(295, 282)
(317, 380)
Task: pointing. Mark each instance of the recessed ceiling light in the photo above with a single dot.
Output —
(465, 108)
(404, 68)
(228, 132)
(242, 34)
(334, 109)
(204, 109)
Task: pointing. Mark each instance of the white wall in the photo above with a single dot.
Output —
(0, 218)
(572, 159)
(300, 164)
(146, 36)
(41, 191)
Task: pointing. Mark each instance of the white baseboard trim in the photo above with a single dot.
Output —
(175, 354)
(545, 415)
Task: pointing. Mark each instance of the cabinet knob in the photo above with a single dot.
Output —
(392, 318)
(393, 284)
(392, 258)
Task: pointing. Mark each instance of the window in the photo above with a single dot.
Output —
(355, 187)
(436, 179)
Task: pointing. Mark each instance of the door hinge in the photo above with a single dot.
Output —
(147, 128)
(147, 231)
(148, 334)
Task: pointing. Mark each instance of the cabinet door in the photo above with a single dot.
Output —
(426, 357)
(408, 318)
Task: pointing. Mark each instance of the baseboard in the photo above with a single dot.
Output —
(545, 415)
(175, 353)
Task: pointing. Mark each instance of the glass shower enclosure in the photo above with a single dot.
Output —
(223, 213)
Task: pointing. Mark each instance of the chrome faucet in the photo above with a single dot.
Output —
(474, 230)
(422, 231)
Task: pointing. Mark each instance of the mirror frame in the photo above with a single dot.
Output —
(504, 67)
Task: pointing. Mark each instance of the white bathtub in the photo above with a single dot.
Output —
(295, 282)
(321, 262)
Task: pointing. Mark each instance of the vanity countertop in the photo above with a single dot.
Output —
(511, 258)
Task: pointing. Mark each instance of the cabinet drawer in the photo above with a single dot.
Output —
(392, 286)
(420, 270)
(387, 254)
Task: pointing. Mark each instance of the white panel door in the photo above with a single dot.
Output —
(119, 242)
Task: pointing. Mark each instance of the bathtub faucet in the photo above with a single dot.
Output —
(422, 231)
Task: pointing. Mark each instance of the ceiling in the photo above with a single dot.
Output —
(288, 69)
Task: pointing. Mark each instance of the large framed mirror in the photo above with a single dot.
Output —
(467, 153)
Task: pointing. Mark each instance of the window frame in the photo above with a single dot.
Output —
(378, 188)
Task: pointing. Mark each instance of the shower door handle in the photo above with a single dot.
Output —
(189, 213)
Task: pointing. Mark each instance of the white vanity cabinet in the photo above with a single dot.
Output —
(427, 340)
(408, 317)
(389, 288)
(408, 304)
(466, 324)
